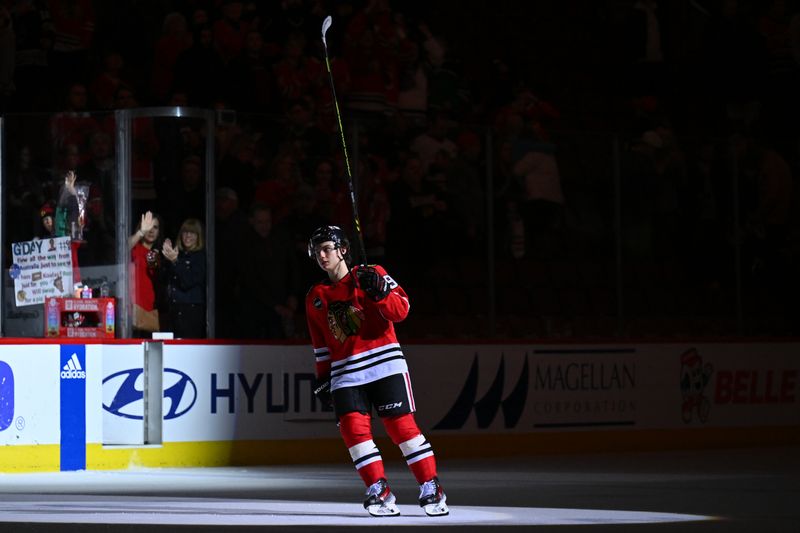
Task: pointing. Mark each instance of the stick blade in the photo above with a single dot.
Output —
(325, 25)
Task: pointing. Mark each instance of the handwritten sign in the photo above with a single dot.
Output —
(40, 269)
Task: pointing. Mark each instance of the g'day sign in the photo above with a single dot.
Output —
(41, 268)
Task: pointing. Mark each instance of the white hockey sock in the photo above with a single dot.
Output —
(416, 449)
(364, 453)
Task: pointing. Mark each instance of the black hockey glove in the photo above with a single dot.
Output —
(322, 390)
(372, 283)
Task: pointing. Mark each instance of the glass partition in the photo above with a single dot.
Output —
(75, 186)
(580, 235)
(166, 168)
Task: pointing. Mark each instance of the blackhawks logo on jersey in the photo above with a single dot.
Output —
(344, 319)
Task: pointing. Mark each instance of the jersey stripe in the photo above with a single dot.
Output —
(409, 391)
(365, 360)
(322, 354)
(360, 359)
(364, 367)
(369, 366)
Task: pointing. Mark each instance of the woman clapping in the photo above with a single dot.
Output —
(185, 272)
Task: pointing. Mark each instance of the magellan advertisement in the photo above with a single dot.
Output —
(530, 388)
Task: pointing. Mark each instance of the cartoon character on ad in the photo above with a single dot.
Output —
(694, 378)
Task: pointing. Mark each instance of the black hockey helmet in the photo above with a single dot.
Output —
(334, 234)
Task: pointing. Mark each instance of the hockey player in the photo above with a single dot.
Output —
(360, 366)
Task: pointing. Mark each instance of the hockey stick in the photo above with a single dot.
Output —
(326, 24)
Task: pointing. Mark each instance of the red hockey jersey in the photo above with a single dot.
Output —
(353, 337)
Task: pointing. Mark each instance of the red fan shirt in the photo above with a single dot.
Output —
(143, 278)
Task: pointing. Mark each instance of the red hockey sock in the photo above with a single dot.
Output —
(356, 431)
(416, 449)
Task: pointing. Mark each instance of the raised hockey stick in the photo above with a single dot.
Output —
(326, 24)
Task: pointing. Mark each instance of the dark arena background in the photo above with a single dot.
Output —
(592, 206)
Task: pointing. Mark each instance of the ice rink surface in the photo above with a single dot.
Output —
(739, 490)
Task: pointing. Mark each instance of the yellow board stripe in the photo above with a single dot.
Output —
(37, 458)
(42, 458)
(215, 453)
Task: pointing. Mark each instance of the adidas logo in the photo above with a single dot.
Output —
(73, 370)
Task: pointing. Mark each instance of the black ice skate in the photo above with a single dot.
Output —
(432, 498)
(380, 500)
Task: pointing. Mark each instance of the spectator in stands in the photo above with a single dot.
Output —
(701, 203)
(265, 278)
(373, 77)
(199, 70)
(199, 19)
(330, 195)
(80, 211)
(302, 133)
(185, 274)
(542, 208)
(325, 112)
(145, 288)
(25, 194)
(734, 65)
(283, 181)
(507, 223)
(448, 91)
(73, 33)
(465, 194)
(283, 18)
(230, 30)
(414, 68)
(298, 74)
(100, 172)
(47, 213)
(144, 150)
(175, 39)
(526, 114)
(372, 42)
(670, 220)
(642, 35)
(638, 185)
(766, 197)
(416, 224)
(230, 229)
(514, 230)
(236, 169)
(105, 85)
(779, 28)
(67, 208)
(33, 31)
(184, 136)
(74, 125)
(429, 143)
(7, 55)
(305, 214)
(186, 197)
(374, 176)
(69, 218)
(251, 81)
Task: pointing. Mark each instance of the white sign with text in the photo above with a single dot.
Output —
(41, 268)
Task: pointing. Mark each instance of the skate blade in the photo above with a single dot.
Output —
(437, 509)
(385, 509)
